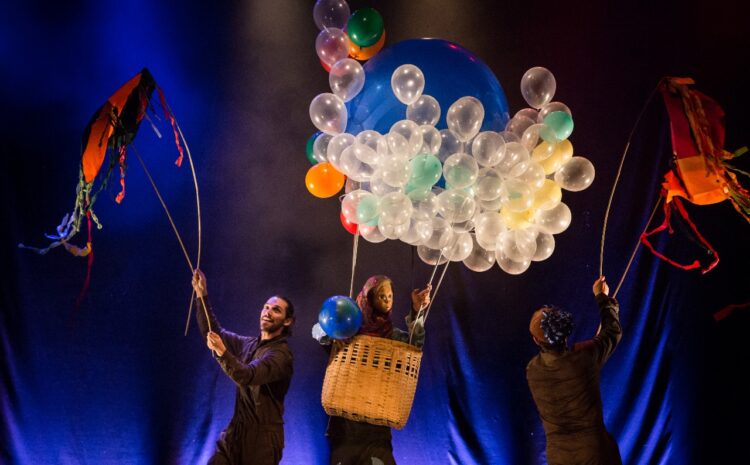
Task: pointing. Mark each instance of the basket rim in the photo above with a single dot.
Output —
(378, 339)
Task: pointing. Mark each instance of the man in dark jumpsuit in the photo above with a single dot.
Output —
(564, 383)
(261, 367)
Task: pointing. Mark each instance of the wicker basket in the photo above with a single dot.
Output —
(371, 379)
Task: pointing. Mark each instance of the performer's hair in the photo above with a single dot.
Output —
(556, 324)
(289, 314)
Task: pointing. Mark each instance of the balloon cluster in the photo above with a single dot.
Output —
(460, 193)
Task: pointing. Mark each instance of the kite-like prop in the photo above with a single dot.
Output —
(109, 134)
(702, 173)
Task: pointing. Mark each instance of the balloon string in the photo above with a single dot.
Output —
(164, 205)
(354, 261)
(437, 288)
(617, 177)
(638, 244)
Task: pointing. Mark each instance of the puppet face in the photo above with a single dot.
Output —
(382, 298)
(273, 316)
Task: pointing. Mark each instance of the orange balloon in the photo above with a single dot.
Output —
(365, 53)
(323, 180)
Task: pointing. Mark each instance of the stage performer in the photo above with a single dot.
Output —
(359, 443)
(261, 368)
(564, 383)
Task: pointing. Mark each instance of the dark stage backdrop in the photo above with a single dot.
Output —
(115, 380)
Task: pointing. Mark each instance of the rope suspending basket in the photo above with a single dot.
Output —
(372, 379)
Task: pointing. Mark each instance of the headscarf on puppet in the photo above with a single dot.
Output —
(374, 322)
(551, 327)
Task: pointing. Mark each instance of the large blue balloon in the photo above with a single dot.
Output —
(450, 72)
(340, 317)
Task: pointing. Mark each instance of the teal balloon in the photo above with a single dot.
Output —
(340, 317)
(560, 125)
(365, 27)
(367, 210)
(426, 170)
(309, 152)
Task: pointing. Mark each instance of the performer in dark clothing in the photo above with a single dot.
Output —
(261, 367)
(359, 443)
(564, 383)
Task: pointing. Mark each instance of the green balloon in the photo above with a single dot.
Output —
(309, 148)
(561, 125)
(367, 210)
(365, 27)
(425, 171)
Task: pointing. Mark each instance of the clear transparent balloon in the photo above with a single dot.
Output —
(488, 148)
(331, 45)
(328, 113)
(331, 13)
(465, 117)
(575, 174)
(424, 111)
(538, 86)
(407, 83)
(346, 78)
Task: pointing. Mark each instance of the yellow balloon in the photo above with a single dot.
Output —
(517, 220)
(560, 153)
(548, 196)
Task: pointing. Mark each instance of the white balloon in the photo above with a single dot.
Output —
(405, 138)
(395, 208)
(431, 256)
(346, 78)
(371, 234)
(516, 195)
(465, 117)
(419, 232)
(378, 186)
(518, 124)
(511, 266)
(407, 83)
(328, 113)
(331, 45)
(456, 205)
(331, 13)
(554, 220)
(393, 231)
(545, 245)
(320, 147)
(575, 174)
(488, 148)
(374, 140)
(441, 234)
(425, 110)
(460, 170)
(538, 86)
(449, 144)
(431, 140)
(352, 164)
(488, 226)
(396, 170)
(518, 245)
(479, 259)
(489, 184)
(337, 145)
(516, 160)
(425, 204)
(533, 176)
(459, 247)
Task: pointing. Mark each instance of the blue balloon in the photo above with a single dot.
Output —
(340, 317)
(450, 72)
